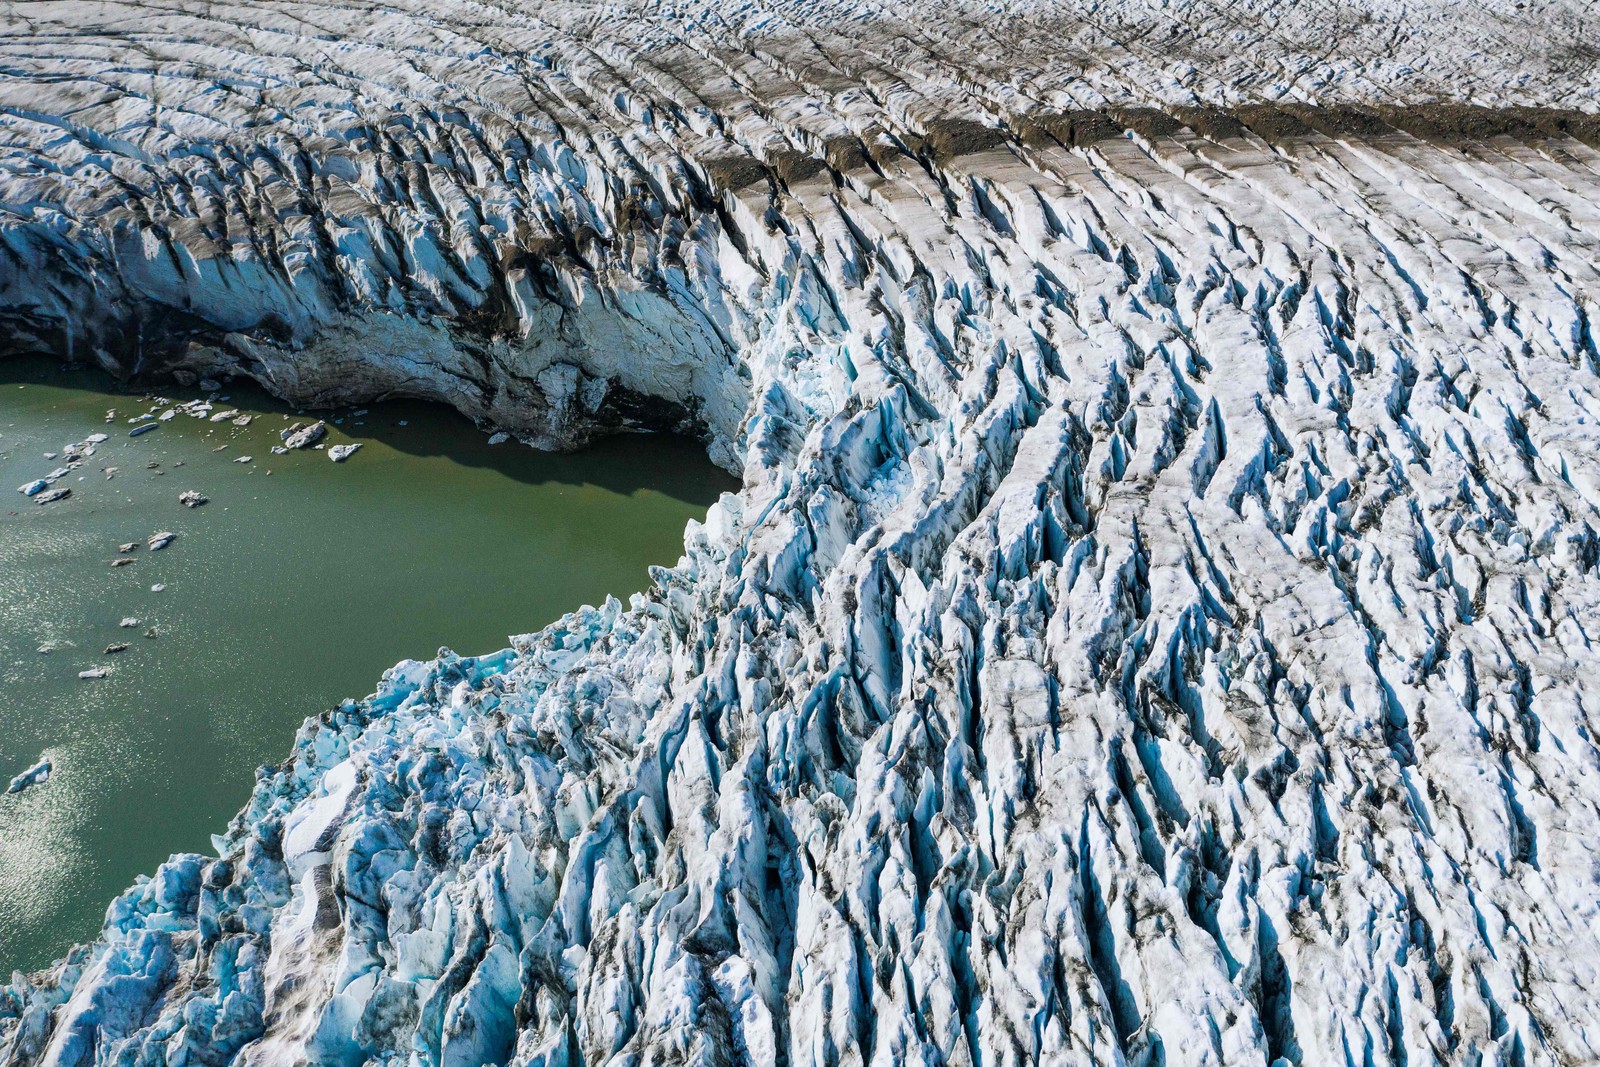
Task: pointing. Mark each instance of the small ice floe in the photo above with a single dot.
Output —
(157, 587)
(110, 472)
(499, 438)
(307, 436)
(38, 774)
(111, 414)
(358, 414)
(279, 450)
(127, 546)
(244, 459)
(150, 632)
(224, 416)
(244, 420)
(128, 623)
(161, 540)
(189, 498)
(146, 417)
(402, 422)
(340, 453)
(33, 488)
(122, 561)
(219, 448)
(52, 496)
(59, 472)
(168, 415)
(94, 672)
(115, 647)
(146, 428)
(97, 438)
(50, 455)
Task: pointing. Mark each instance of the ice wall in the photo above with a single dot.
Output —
(1156, 623)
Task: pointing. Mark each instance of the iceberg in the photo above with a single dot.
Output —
(38, 774)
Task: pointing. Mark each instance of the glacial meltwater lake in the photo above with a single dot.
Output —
(284, 594)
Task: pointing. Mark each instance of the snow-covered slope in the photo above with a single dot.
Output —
(1157, 624)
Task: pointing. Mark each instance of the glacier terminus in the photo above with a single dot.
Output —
(1157, 622)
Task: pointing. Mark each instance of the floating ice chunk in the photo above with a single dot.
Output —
(38, 774)
(52, 496)
(146, 428)
(161, 540)
(94, 672)
(33, 488)
(244, 459)
(340, 453)
(190, 498)
(499, 438)
(306, 436)
(128, 622)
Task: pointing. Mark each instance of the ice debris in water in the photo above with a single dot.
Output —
(38, 774)
(340, 453)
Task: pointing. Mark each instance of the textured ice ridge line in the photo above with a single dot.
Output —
(1155, 626)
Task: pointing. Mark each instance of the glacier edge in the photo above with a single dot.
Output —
(1155, 621)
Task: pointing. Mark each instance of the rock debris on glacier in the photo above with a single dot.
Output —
(1156, 623)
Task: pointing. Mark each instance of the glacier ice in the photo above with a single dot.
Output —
(1156, 623)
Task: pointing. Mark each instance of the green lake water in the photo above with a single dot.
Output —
(284, 594)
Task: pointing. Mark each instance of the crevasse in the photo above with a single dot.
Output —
(1155, 626)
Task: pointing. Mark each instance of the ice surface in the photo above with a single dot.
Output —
(38, 774)
(1156, 626)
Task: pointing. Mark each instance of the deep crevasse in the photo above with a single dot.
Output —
(1155, 624)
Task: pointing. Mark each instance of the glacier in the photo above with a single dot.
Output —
(1156, 623)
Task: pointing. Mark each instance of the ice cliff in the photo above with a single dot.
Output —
(1157, 625)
